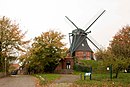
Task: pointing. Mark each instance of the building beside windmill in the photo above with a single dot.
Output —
(79, 48)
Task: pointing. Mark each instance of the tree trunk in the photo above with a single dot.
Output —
(117, 72)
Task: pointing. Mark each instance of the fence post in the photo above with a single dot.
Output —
(81, 76)
(84, 76)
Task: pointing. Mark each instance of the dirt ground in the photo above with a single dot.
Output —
(30, 81)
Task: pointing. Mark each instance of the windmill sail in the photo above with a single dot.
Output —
(79, 45)
(95, 20)
(95, 42)
(72, 22)
(76, 43)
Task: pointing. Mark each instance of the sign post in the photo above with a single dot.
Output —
(109, 68)
(87, 74)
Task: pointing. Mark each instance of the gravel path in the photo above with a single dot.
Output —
(65, 81)
(17, 81)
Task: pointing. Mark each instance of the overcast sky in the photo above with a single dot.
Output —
(38, 16)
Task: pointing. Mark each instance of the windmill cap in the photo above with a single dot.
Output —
(78, 31)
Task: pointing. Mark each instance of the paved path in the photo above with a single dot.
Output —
(17, 81)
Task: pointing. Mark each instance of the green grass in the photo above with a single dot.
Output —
(98, 80)
(124, 78)
(77, 72)
(47, 78)
(104, 80)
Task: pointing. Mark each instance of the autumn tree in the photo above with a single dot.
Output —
(46, 52)
(11, 41)
(102, 54)
(118, 53)
(120, 47)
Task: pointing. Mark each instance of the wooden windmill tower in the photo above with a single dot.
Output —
(79, 43)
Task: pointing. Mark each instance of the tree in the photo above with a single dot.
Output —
(118, 53)
(46, 52)
(120, 47)
(102, 54)
(11, 41)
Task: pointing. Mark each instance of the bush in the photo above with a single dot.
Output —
(85, 66)
(81, 68)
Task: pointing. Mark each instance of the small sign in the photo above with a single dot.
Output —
(87, 74)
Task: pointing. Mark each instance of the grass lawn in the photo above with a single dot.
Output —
(47, 78)
(98, 80)
(103, 80)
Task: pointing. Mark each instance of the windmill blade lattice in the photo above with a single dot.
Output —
(92, 19)
(95, 20)
(95, 42)
(72, 22)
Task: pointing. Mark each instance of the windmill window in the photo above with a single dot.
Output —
(82, 44)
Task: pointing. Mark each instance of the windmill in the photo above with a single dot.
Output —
(79, 41)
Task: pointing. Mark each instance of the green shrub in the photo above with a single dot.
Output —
(81, 68)
(85, 66)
